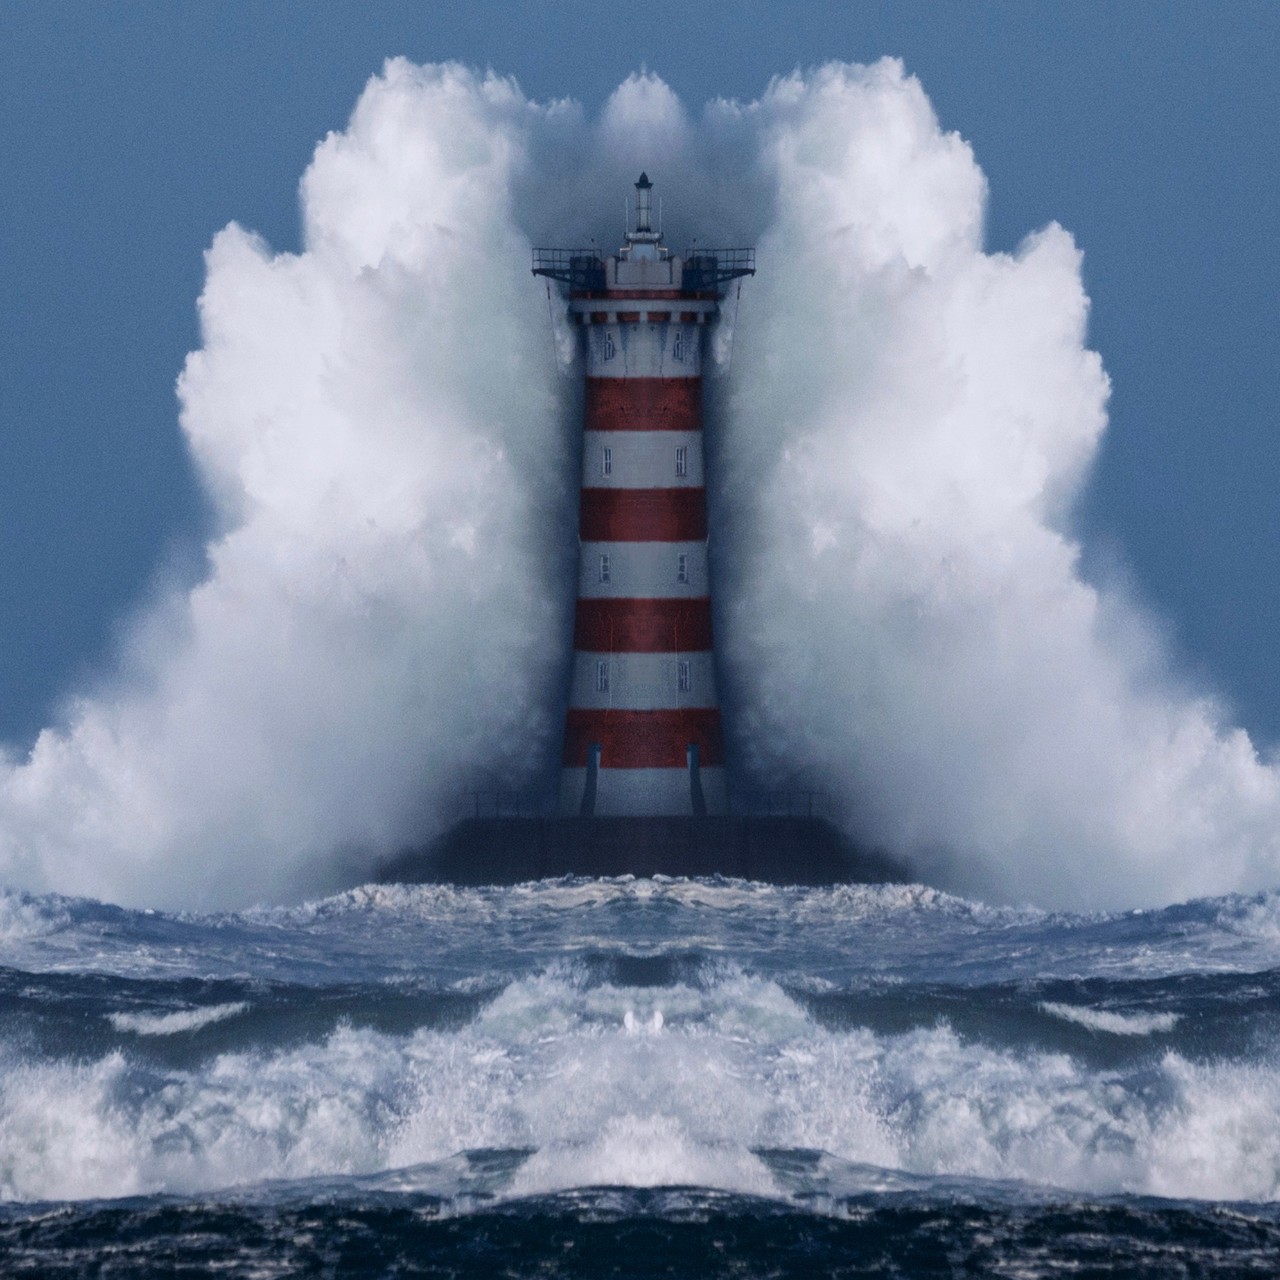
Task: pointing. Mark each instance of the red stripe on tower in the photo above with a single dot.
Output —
(643, 739)
(643, 404)
(643, 515)
(622, 625)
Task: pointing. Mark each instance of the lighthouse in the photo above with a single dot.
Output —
(642, 731)
(642, 779)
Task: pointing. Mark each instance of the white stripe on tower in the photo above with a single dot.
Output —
(642, 460)
(667, 570)
(640, 681)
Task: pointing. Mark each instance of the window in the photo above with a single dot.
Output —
(604, 568)
(602, 676)
(682, 459)
(684, 675)
(677, 347)
(606, 461)
(682, 567)
(609, 349)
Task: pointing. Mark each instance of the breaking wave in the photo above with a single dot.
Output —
(901, 425)
(755, 1040)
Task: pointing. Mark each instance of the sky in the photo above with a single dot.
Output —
(137, 131)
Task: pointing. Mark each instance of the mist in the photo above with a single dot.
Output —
(900, 426)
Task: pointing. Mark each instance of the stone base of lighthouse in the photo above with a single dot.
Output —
(779, 850)
(645, 792)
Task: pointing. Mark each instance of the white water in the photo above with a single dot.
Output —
(897, 447)
(168, 1024)
(1117, 1024)
(721, 1072)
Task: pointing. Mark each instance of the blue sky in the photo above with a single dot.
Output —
(136, 130)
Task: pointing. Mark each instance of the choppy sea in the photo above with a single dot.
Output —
(639, 1078)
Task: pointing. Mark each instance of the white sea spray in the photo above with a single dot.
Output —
(386, 435)
(604, 1084)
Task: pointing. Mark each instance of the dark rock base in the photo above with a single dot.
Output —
(778, 850)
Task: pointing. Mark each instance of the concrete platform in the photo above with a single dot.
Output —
(779, 850)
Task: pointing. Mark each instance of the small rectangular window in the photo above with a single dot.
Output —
(602, 676)
(604, 568)
(677, 347)
(682, 459)
(684, 675)
(609, 349)
(606, 461)
(682, 567)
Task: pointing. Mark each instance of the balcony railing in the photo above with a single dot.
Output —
(580, 269)
(705, 270)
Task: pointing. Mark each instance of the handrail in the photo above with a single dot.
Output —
(578, 268)
(703, 270)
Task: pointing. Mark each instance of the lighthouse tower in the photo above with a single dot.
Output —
(642, 732)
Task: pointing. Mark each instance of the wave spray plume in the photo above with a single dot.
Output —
(897, 447)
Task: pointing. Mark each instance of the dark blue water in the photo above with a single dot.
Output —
(639, 1078)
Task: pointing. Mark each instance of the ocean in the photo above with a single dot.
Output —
(639, 1078)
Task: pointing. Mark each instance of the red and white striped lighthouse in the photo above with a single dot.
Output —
(642, 732)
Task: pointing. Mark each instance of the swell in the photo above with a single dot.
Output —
(641, 1070)
(640, 1034)
(1104, 1022)
(184, 1022)
(620, 1233)
(842, 934)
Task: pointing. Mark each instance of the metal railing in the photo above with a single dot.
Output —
(578, 268)
(708, 269)
(704, 271)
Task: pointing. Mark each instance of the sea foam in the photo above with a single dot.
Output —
(898, 433)
(727, 1069)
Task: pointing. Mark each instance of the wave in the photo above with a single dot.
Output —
(555, 1065)
(167, 1024)
(28, 915)
(900, 932)
(626, 1231)
(894, 457)
(1116, 1024)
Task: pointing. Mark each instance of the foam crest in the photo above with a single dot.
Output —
(24, 915)
(641, 1086)
(1108, 1020)
(109, 1129)
(1203, 1130)
(168, 1024)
